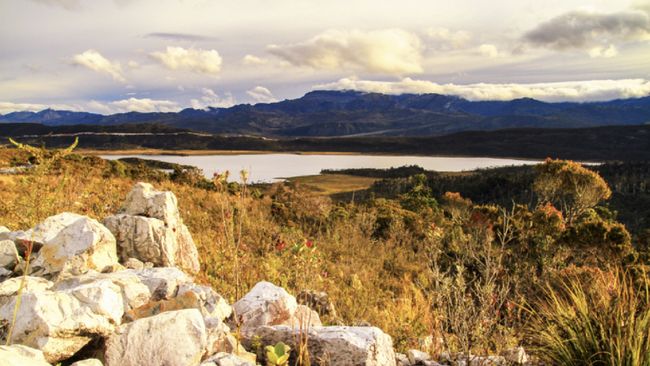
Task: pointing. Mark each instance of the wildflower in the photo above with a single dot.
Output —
(280, 245)
(309, 244)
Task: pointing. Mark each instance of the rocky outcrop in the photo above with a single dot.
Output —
(181, 340)
(60, 323)
(267, 304)
(19, 355)
(150, 229)
(70, 244)
(367, 346)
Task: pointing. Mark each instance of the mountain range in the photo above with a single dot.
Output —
(354, 114)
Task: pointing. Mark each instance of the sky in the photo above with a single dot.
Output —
(111, 56)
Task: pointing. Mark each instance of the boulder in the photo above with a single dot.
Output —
(211, 304)
(19, 355)
(5, 234)
(71, 244)
(133, 263)
(163, 282)
(170, 338)
(226, 359)
(304, 317)
(30, 284)
(265, 304)
(60, 323)
(402, 360)
(367, 346)
(9, 257)
(150, 229)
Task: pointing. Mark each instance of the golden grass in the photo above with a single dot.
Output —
(328, 184)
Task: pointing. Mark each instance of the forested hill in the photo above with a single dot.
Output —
(352, 113)
(597, 143)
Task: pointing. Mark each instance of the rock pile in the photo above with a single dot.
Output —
(118, 293)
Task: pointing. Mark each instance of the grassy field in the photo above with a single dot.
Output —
(329, 184)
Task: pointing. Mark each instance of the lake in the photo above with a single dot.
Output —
(274, 167)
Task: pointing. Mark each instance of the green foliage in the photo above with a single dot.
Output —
(603, 320)
(278, 355)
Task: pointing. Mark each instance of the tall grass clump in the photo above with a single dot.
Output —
(601, 321)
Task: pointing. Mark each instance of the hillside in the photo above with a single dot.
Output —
(351, 113)
(597, 143)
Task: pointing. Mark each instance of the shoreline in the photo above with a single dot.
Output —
(186, 152)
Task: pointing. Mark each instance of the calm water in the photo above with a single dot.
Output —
(273, 167)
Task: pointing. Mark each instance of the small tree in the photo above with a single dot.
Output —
(570, 187)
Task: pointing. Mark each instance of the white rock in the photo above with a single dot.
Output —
(72, 244)
(367, 346)
(151, 230)
(226, 359)
(144, 200)
(304, 317)
(402, 360)
(133, 263)
(8, 254)
(163, 282)
(4, 274)
(31, 284)
(20, 355)
(265, 304)
(88, 362)
(213, 305)
(60, 323)
(170, 338)
(416, 356)
(515, 355)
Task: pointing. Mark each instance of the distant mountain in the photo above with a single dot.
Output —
(353, 113)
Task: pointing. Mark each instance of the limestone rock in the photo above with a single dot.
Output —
(4, 274)
(265, 304)
(60, 323)
(304, 317)
(8, 255)
(181, 340)
(163, 282)
(19, 355)
(31, 284)
(226, 359)
(88, 362)
(72, 244)
(133, 263)
(211, 304)
(402, 360)
(367, 346)
(415, 356)
(317, 300)
(515, 355)
(150, 229)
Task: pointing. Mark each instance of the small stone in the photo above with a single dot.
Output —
(417, 356)
(9, 257)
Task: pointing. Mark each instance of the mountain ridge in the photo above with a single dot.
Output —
(329, 113)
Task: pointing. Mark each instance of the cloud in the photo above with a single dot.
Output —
(604, 52)
(253, 60)
(211, 99)
(445, 39)
(585, 30)
(74, 4)
(261, 95)
(144, 105)
(488, 50)
(389, 51)
(94, 60)
(190, 59)
(592, 90)
(182, 37)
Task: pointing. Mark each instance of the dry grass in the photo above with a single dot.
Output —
(329, 184)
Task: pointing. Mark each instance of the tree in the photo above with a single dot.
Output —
(570, 187)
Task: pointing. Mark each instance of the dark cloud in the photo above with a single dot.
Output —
(185, 37)
(580, 29)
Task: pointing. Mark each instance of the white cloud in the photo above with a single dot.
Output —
(558, 91)
(211, 99)
(190, 59)
(8, 107)
(94, 60)
(388, 51)
(604, 52)
(445, 39)
(488, 50)
(261, 95)
(143, 105)
(133, 64)
(66, 4)
(253, 60)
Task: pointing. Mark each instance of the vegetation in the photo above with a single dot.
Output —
(445, 271)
